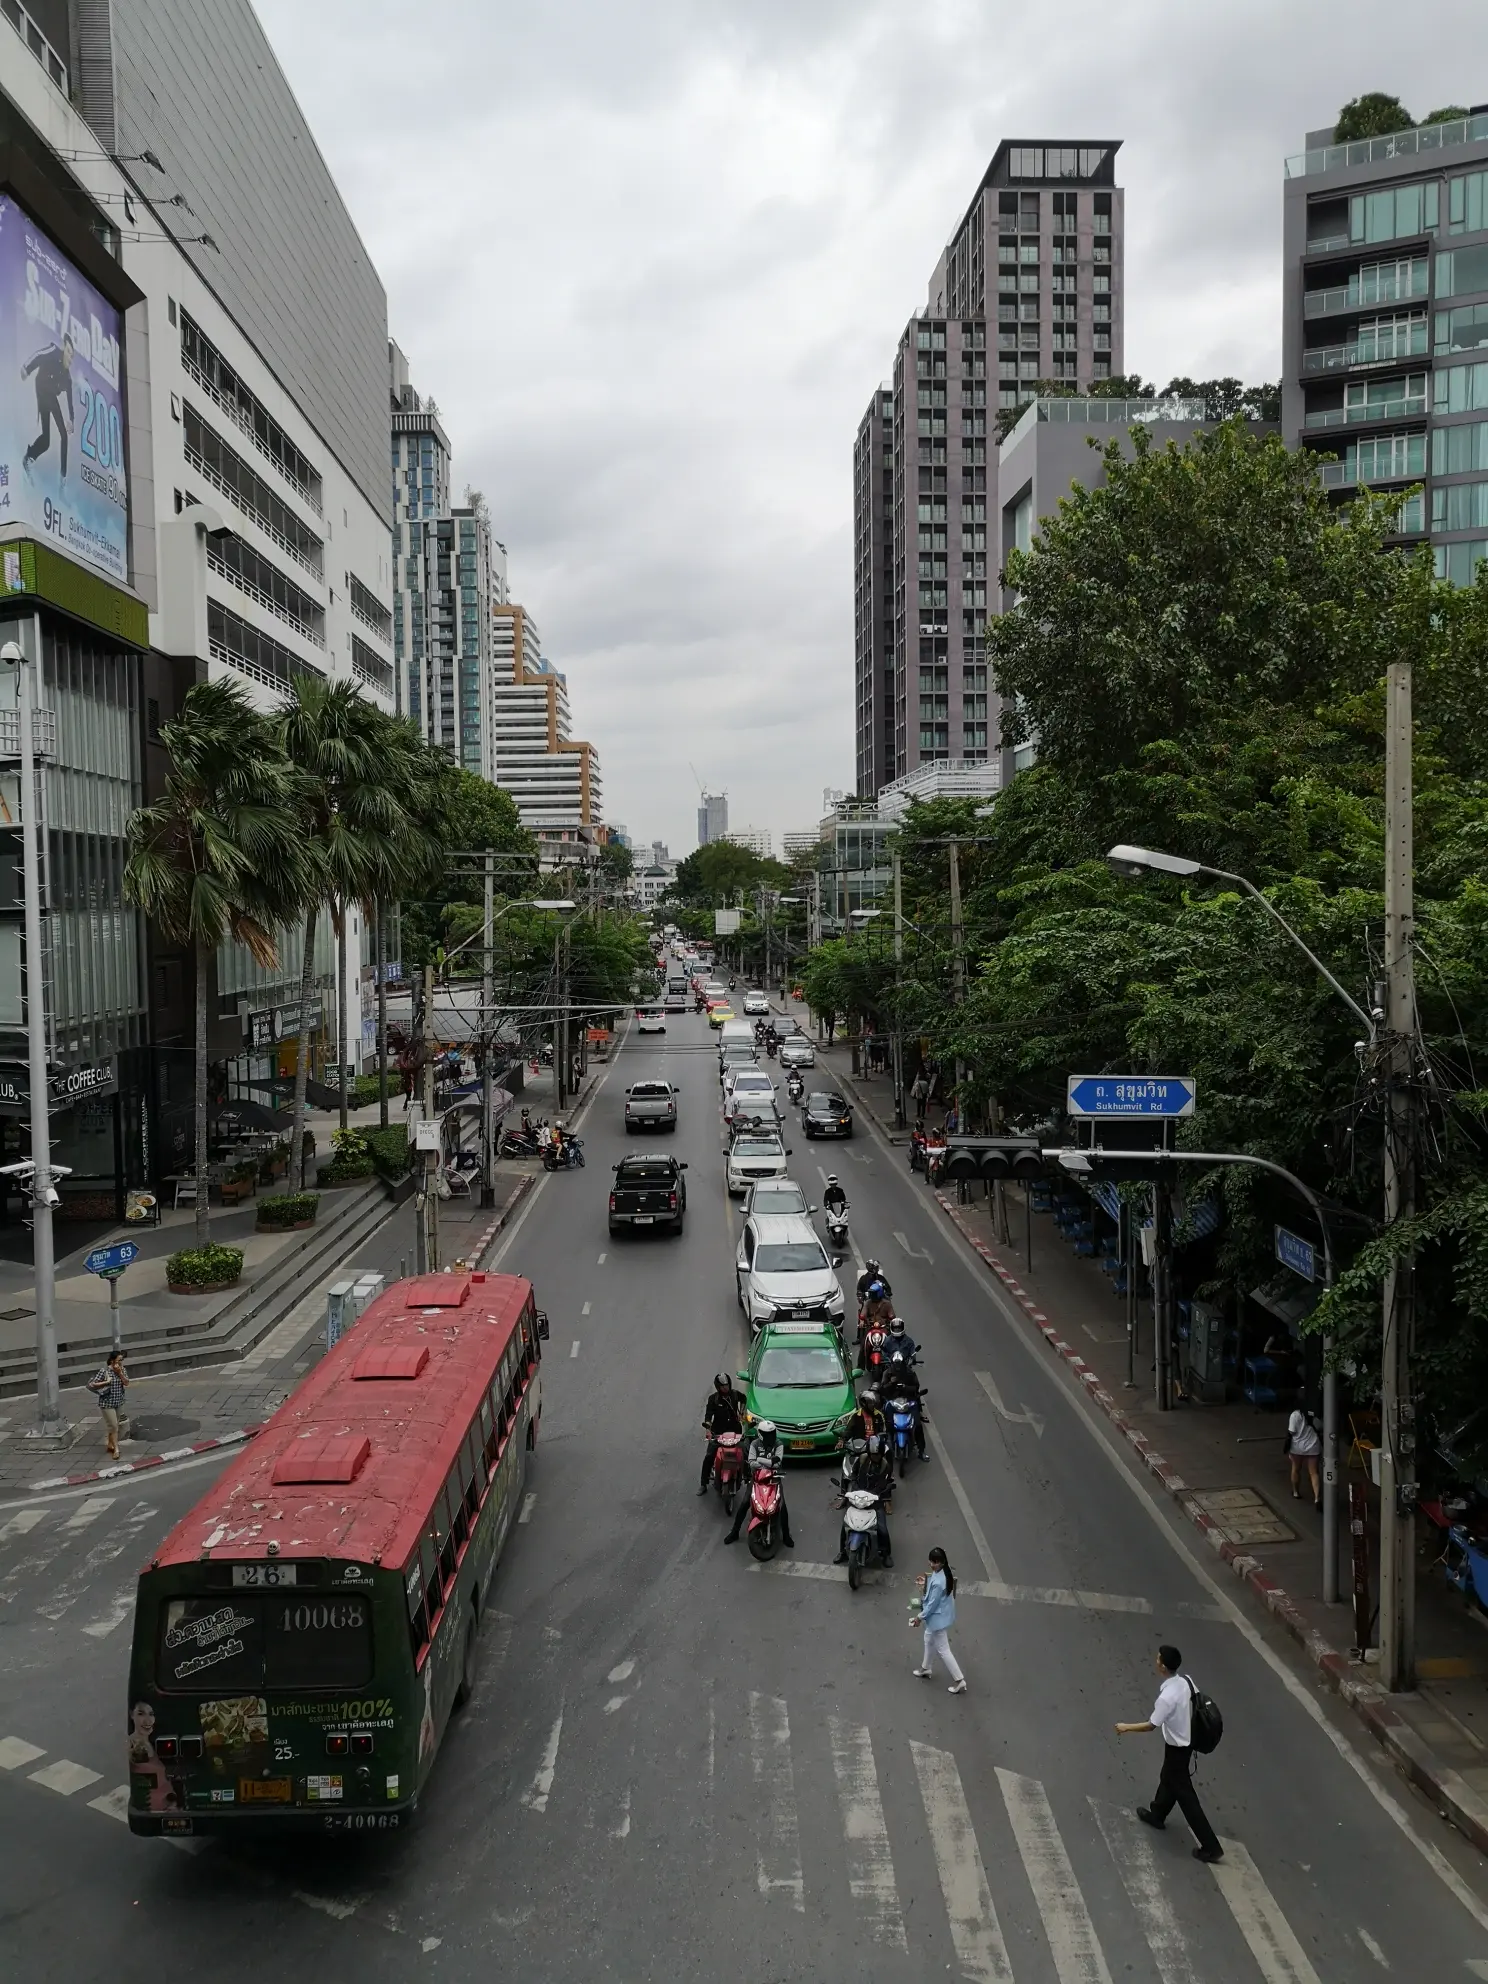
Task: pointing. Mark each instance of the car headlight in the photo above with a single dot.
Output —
(843, 1420)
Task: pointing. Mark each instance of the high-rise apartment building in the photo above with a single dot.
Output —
(1029, 288)
(758, 840)
(1385, 294)
(712, 817)
(553, 776)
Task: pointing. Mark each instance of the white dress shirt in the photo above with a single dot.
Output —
(1172, 1712)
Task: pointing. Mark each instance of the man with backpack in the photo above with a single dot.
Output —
(1190, 1723)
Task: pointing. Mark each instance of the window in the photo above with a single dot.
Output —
(1388, 457)
(1458, 563)
(206, 364)
(1398, 211)
(1462, 330)
(1454, 450)
(1460, 506)
(1465, 203)
(1461, 271)
(1461, 388)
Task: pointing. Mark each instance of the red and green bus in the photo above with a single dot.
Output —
(303, 1636)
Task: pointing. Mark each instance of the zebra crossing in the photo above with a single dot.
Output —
(73, 1564)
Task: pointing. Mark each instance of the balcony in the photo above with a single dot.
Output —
(1390, 282)
(1411, 408)
(1327, 244)
(1399, 144)
(1406, 341)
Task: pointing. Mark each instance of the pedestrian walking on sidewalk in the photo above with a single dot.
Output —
(107, 1386)
(1304, 1449)
(919, 1088)
(937, 1614)
(1172, 1713)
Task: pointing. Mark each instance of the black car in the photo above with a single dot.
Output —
(826, 1115)
(648, 1191)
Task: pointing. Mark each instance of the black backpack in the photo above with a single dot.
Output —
(1206, 1724)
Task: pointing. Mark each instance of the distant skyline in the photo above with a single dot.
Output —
(651, 261)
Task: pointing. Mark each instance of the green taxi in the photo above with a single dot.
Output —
(800, 1377)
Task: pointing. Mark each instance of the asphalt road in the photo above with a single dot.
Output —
(678, 1765)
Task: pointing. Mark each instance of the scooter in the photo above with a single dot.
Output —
(765, 1495)
(526, 1141)
(568, 1155)
(795, 1085)
(728, 1469)
(904, 1415)
(861, 1523)
(837, 1228)
(875, 1354)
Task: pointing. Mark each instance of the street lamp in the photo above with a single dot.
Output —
(1137, 861)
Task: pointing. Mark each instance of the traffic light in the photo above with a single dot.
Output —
(995, 1160)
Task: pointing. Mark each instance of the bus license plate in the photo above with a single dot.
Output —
(263, 1576)
(265, 1790)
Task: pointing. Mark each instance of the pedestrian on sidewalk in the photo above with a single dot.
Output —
(919, 1088)
(107, 1385)
(937, 1614)
(1172, 1713)
(1304, 1449)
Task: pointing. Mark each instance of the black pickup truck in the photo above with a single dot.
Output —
(648, 1191)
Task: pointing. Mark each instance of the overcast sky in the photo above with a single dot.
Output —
(652, 256)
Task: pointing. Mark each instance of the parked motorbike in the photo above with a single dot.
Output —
(765, 1496)
(728, 1469)
(861, 1522)
(568, 1155)
(837, 1227)
(526, 1140)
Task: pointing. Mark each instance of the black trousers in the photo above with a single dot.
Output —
(49, 410)
(1176, 1787)
(741, 1516)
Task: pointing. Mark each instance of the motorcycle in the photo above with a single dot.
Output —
(795, 1085)
(565, 1156)
(771, 1046)
(525, 1141)
(875, 1354)
(728, 1469)
(765, 1496)
(903, 1416)
(861, 1523)
(837, 1228)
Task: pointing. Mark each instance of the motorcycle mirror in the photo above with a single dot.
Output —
(742, 1374)
(857, 1373)
(837, 1260)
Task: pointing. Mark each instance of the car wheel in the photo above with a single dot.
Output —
(677, 1224)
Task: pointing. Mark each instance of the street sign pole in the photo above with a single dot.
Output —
(115, 1327)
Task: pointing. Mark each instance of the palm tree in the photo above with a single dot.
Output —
(418, 774)
(353, 820)
(220, 855)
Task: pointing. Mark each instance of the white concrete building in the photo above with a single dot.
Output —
(552, 775)
(757, 839)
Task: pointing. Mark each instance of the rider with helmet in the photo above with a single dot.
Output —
(875, 1473)
(834, 1199)
(868, 1421)
(902, 1380)
(873, 1272)
(764, 1452)
(723, 1412)
(901, 1343)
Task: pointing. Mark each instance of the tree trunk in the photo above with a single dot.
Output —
(302, 1057)
(203, 1206)
(343, 1044)
(382, 1065)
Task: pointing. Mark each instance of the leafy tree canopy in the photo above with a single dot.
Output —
(711, 875)
(1374, 115)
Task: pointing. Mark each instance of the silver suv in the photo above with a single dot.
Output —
(651, 1106)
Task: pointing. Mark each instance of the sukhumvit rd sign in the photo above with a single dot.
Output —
(62, 467)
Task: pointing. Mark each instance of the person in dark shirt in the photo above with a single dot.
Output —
(722, 1413)
(53, 369)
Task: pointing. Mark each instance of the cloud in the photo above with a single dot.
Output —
(652, 258)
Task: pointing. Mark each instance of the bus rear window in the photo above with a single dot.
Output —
(208, 1645)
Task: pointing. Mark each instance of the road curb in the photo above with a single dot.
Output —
(1453, 1798)
(502, 1219)
(150, 1460)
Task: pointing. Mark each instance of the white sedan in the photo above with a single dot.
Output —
(756, 1005)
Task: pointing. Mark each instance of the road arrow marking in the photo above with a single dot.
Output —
(1027, 1417)
(914, 1253)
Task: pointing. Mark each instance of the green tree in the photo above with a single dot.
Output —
(1224, 398)
(616, 862)
(1448, 114)
(220, 855)
(1374, 115)
(470, 815)
(712, 876)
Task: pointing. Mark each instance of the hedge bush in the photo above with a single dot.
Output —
(287, 1209)
(201, 1267)
(389, 1150)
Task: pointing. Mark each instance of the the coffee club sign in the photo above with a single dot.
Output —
(65, 1086)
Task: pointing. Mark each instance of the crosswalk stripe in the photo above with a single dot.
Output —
(536, 1796)
(114, 1544)
(870, 1864)
(15, 1751)
(22, 1525)
(118, 1611)
(779, 1862)
(113, 1804)
(1136, 1863)
(976, 1933)
(87, 1512)
(65, 1776)
(1078, 1958)
(1279, 1957)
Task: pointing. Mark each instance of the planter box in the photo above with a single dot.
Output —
(292, 1226)
(201, 1287)
(233, 1195)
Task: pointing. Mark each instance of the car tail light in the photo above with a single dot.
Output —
(672, 1200)
(612, 1202)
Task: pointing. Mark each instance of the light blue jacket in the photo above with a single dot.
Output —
(938, 1606)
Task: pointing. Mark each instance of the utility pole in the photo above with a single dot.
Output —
(560, 1022)
(1398, 1457)
(896, 1039)
(958, 954)
(488, 1043)
(427, 1246)
(49, 1425)
(1162, 1291)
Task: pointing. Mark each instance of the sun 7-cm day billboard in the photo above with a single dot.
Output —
(62, 468)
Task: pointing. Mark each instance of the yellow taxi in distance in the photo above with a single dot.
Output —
(719, 1013)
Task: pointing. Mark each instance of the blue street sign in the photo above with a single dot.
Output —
(1132, 1095)
(111, 1260)
(1296, 1253)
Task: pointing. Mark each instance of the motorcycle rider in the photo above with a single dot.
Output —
(901, 1343)
(723, 1412)
(875, 1474)
(867, 1423)
(873, 1272)
(834, 1199)
(764, 1452)
(902, 1380)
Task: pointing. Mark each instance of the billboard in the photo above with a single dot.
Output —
(725, 922)
(62, 470)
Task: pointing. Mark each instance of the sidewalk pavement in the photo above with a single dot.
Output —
(1224, 1467)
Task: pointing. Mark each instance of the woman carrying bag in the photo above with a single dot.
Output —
(937, 1614)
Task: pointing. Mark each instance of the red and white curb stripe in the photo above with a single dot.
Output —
(151, 1460)
(1457, 1800)
(524, 1186)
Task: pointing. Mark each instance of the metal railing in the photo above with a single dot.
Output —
(1399, 144)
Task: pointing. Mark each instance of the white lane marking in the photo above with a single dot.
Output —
(71, 1589)
(94, 1506)
(21, 1525)
(1012, 1594)
(621, 1673)
(585, 1310)
(535, 1797)
(968, 1513)
(615, 1701)
(575, 1349)
(1027, 1417)
(1157, 1514)
(1137, 1865)
(1279, 1957)
(914, 1253)
(976, 1933)
(507, 1240)
(430, 1943)
(870, 1864)
(65, 1777)
(529, 1503)
(119, 1610)
(1073, 1944)
(1374, 1949)
(601, 1260)
(113, 1804)
(774, 1779)
(621, 1830)
(15, 1751)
